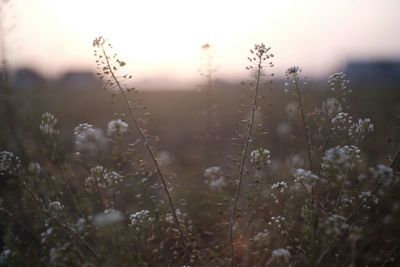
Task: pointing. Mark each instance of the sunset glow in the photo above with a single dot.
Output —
(164, 37)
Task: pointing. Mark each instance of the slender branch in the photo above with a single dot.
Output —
(47, 213)
(244, 157)
(253, 207)
(146, 144)
(325, 146)
(347, 173)
(303, 120)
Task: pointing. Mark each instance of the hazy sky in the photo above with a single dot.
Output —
(160, 38)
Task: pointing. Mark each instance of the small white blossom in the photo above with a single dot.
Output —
(361, 127)
(34, 168)
(277, 221)
(384, 174)
(304, 176)
(9, 163)
(260, 158)
(55, 207)
(331, 107)
(214, 178)
(103, 178)
(368, 197)
(279, 186)
(89, 140)
(139, 218)
(339, 85)
(107, 218)
(47, 125)
(335, 224)
(341, 157)
(280, 255)
(342, 121)
(117, 127)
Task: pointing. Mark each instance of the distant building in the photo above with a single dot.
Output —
(383, 73)
(27, 79)
(79, 80)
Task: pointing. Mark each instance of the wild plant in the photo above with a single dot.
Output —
(258, 59)
(208, 71)
(107, 200)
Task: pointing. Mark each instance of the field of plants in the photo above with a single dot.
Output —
(269, 172)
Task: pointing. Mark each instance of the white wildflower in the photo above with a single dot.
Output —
(331, 107)
(279, 186)
(117, 127)
(103, 178)
(9, 163)
(139, 218)
(280, 255)
(277, 221)
(338, 84)
(89, 140)
(304, 176)
(361, 127)
(107, 218)
(214, 178)
(55, 207)
(34, 168)
(335, 224)
(342, 121)
(367, 196)
(341, 157)
(47, 125)
(384, 174)
(260, 158)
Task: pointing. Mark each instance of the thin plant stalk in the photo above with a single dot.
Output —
(244, 157)
(347, 173)
(46, 212)
(253, 207)
(146, 144)
(303, 120)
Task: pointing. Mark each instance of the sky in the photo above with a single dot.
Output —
(162, 39)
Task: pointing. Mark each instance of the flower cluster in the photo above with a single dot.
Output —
(339, 85)
(139, 218)
(260, 158)
(89, 140)
(335, 225)
(55, 207)
(108, 217)
(34, 168)
(280, 256)
(341, 157)
(384, 174)
(214, 177)
(361, 127)
(277, 221)
(342, 121)
(292, 72)
(331, 107)
(304, 177)
(279, 186)
(103, 178)
(368, 196)
(47, 125)
(117, 127)
(9, 163)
